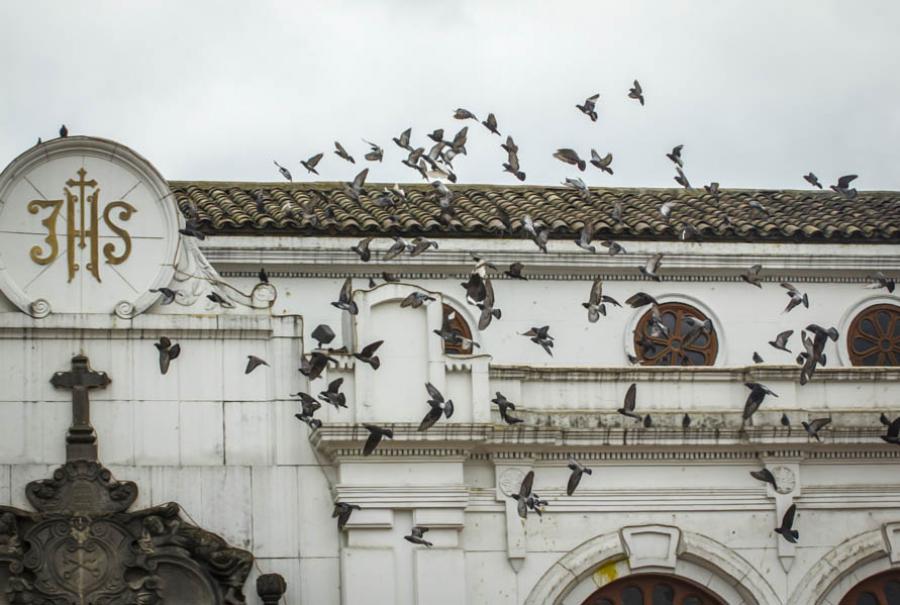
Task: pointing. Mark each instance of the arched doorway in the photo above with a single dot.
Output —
(652, 589)
(880, 589)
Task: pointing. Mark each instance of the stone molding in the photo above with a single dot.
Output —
(691, 374)
(695, 554)
(824, 582)
(685, 261)
(104, 327)
(344, 441)
(651, 546)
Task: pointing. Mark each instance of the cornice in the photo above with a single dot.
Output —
(538, 444)
(107, 326)
(756, 372)
(295, 256)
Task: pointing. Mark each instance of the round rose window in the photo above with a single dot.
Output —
(677, 342)
(874, 337)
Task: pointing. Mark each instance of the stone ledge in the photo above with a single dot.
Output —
(526, 373)
(459, 440)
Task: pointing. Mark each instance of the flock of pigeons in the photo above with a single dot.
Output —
(437, 163)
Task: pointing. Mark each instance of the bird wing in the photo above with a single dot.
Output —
(522, 508)
(340, 148)
(335, 385)
(894, 428)
(783, 337)
(653, 263)
(488, 293)
(372, 442)
(525, 487)
(448, 408)
(433, 392)
(574, 480)
(360, 179)
(637, 87)
(346, 291)
(818, 423)
(787, 521)
(430, 418)
(252, 363)
(587, 233)
(790, 288)
(630, 398)
(311, 162)
(596, 291)
(845, 180)
(369, 349)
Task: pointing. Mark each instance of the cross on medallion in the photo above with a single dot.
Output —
(81, 440)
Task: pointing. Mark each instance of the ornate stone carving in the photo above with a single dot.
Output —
(83, 546)
(785, 479)
(511, 481)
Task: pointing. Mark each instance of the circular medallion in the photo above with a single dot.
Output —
(785, 479)
(86, 226)
(511, 480)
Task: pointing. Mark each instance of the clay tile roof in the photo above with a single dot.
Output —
(325, 209)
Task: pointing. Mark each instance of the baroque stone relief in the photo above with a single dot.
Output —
(83, 546)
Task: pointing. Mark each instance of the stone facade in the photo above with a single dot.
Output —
(226, 445)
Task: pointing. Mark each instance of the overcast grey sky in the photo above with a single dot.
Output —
(759, 92)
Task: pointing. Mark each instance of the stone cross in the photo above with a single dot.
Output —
(81, 440)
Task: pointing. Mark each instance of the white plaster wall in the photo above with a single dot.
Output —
(223, 444)
(227, 447)
(747, 317)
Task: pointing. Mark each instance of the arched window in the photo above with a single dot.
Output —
(454, 320)
(655, 347)
(652, 589)
(881, 589)
(874, 337)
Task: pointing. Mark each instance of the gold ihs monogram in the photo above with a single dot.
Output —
(82, 222)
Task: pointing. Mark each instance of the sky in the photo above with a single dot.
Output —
(758, 92)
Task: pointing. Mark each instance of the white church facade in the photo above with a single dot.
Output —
(93, 238)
